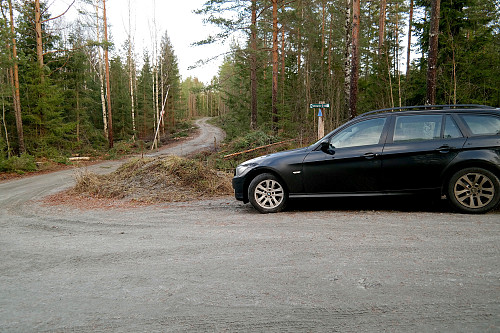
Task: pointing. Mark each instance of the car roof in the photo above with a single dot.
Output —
(455, 108)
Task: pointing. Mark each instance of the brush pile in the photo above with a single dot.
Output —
(155, 180)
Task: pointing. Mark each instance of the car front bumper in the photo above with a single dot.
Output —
(239, 189)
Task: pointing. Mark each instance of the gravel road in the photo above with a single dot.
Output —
(217, 265)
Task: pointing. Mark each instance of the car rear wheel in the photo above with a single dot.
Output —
(474, 190)
(267, 193)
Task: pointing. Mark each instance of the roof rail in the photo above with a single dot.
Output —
(430, 107)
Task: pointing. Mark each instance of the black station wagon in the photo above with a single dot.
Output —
(444, 150)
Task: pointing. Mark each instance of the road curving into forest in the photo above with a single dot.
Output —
(15, 193)
(217, 265)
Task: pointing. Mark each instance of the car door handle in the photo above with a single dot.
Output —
(369, 156)
(444, 149)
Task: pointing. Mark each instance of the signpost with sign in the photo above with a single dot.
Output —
(321, 123)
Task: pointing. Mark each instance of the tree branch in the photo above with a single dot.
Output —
(53, 18)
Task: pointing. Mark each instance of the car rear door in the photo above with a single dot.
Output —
(418, 149)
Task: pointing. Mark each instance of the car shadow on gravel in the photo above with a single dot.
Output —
(400, 204)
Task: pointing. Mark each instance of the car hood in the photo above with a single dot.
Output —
(265, 159)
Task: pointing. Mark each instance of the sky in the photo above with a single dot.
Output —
(174, 16)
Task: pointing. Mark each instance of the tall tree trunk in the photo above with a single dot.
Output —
(15, 78)
(323, 18)
(5, 128)
(408, 50)
(299, 40)
(397, 54)
(131, 72)
(347, 55)
(275, 66)
(283, 56)
(77, 95)
(433, 52)
(381, 27)
(100, 73)
(253, 66)
(353, 100)
(38, 37)
(108, 87)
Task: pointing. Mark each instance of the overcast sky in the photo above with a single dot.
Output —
(174, 16)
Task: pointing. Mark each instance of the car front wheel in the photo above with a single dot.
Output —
(474, 190)
(267, 193)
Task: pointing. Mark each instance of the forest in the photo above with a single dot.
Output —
(73, 91)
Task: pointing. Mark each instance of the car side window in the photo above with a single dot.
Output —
(363, 133)
(482, 124)
(417, 128)
(451, 130)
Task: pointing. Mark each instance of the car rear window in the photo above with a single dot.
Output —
(417, 128)
(482, 124)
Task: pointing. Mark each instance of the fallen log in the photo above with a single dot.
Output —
(79, 158)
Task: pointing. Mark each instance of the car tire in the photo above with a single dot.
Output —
(267, 193)
(474, 190)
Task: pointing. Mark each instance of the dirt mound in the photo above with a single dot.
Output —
(155, 180)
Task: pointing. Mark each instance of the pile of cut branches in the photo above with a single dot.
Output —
(155, 180)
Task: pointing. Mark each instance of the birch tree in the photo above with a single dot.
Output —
(131, 69)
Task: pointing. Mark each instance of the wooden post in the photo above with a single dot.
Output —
(321, 123)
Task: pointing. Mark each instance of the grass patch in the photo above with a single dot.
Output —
(155, 180)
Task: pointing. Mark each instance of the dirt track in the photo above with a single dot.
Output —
(219, 266)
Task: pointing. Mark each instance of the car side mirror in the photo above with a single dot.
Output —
(325, 147)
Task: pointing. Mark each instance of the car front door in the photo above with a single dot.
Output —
(351, 164)
(418, 149)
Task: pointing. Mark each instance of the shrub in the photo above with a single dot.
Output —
(18, 164)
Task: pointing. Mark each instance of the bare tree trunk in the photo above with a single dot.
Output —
(397, 53)
(15, 78)
(253, 67)
(323, 5)
(283, 56)
(355, 59)
(157, 91)
(100, 73)
(454, 73)
(408, 51)
(347, 54)
(433, 52)
(77, 96)
(390, 79)
(131, 72)
(275, 66)
(108, 87)
(162, 93)
(381, 27)
(39, 42)
(5, 129)
(299, 40)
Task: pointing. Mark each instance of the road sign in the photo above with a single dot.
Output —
(318, 105)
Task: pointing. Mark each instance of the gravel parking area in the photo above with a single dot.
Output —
(219, 266)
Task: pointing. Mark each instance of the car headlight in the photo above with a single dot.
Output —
(244, 168)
